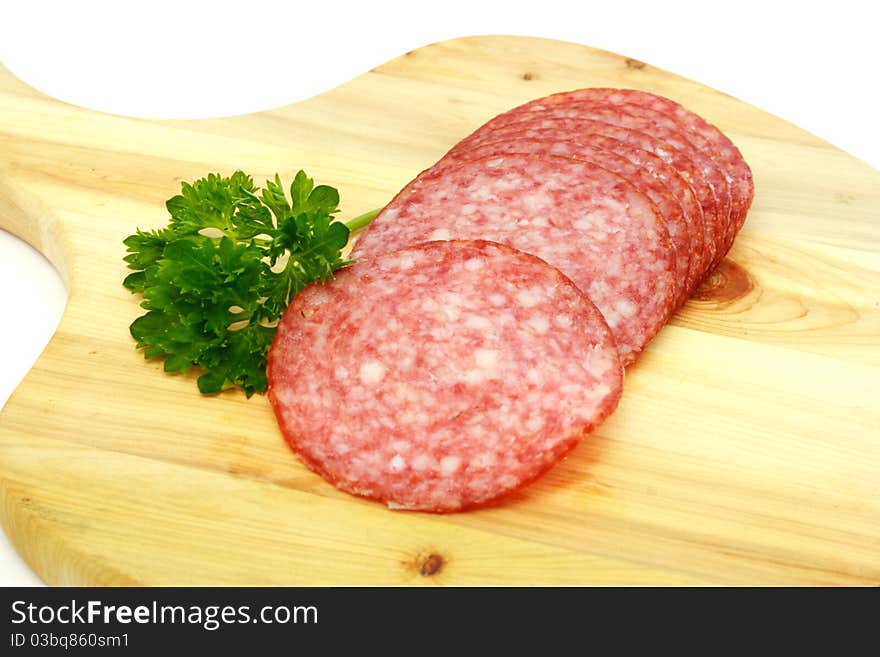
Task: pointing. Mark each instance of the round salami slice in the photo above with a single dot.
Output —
(710, 206)
(441, 376)
(579, 148)
(589, 222)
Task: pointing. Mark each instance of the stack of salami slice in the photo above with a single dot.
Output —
(496, 298)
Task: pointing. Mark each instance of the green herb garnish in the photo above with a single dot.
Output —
(216, 280)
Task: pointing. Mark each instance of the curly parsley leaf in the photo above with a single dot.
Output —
(216, 280)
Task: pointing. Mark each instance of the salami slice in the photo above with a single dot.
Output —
(703, 134)
(668, 120)
(635, 140)
(680, 189)
(441, 376)
(583, 149)
(587, 221)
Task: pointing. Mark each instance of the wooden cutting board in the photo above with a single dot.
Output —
(746, 449)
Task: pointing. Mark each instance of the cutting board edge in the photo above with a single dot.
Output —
(40, 227)
(56, 561)
(627, 61)
(24, 215)
(477, 37)
(40, 541)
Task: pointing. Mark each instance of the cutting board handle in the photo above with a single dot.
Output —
(29, 219)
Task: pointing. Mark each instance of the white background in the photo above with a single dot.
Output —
(815, 64)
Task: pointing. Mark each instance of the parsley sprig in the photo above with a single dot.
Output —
(216, 280)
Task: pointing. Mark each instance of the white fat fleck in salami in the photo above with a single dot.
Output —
(592, 224)
(439, 414)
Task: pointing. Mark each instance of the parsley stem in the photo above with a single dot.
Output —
(362, 220)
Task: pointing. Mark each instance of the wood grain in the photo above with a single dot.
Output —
(745, 451)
